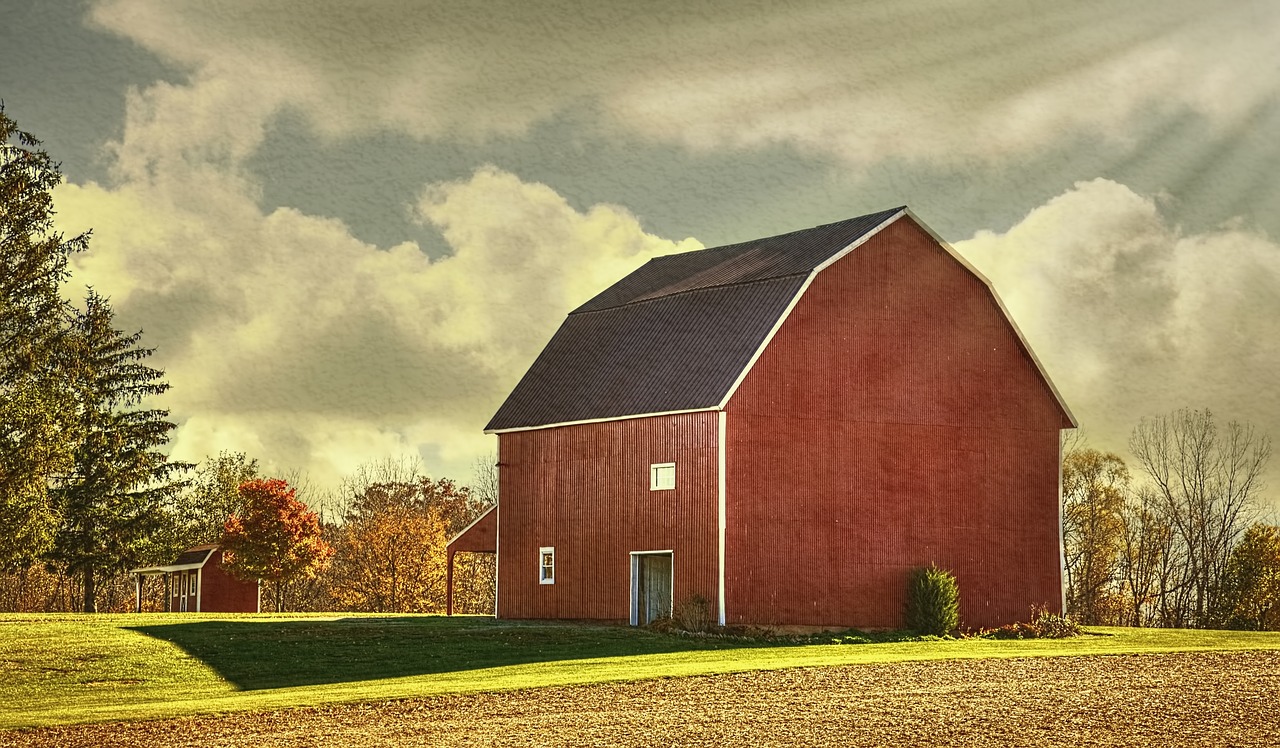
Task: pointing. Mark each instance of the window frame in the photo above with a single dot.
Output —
(654, 483)
(546, 572)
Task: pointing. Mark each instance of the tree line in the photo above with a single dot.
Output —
(87, 491)
(1182, 544)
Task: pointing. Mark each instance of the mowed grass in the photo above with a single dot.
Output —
(63, 669)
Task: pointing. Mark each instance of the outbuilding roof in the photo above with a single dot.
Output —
(192, 558)
(680, 332)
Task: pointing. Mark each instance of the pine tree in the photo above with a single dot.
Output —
(37, 426)
(112, 501)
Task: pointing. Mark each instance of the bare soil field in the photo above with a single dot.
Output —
(1186, 699)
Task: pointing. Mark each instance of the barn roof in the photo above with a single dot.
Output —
(680, 332)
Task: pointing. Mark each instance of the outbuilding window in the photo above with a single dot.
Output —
(547, 565)
(662, 476)
(191, 590)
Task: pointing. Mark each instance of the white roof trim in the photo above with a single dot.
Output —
(627, 417)
(167, 569)
(1003, 310)
(751, 363)
(954, 254)
(474, 522)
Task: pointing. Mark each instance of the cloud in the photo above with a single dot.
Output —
(285, 337)
(862, 81)
(1134, 318)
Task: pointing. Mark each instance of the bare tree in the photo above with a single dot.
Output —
(1206, 484)
(484, 482)
(1145, 569)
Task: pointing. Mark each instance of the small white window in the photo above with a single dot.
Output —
(547, 565)
(662, 477)
(192, 588)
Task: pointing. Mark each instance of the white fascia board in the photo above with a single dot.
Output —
(782, 318)
(1044, 374)
(151, 570)
(463, 531)
(601, 420)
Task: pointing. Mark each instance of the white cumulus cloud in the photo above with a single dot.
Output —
(1132, 317)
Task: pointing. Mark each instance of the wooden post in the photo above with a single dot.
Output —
(448, 585)
(137, 583)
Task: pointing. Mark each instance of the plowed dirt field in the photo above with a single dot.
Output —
(1189, 699)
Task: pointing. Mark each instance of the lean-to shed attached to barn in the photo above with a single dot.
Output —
(785, 427)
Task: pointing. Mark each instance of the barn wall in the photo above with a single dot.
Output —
(894, 420)
(585, 491)
(222, 593)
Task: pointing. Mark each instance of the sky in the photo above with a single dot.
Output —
(348, 227)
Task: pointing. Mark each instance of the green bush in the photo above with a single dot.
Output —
(933, 601)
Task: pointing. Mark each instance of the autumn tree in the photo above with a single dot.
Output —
(391, 540)
(37, 424)
(1094, 485)
(112, 500)
(1206, 482)
(276, 538)
(391, 560)
(1253, 575)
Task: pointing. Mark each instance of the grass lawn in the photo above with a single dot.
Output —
(62, 669)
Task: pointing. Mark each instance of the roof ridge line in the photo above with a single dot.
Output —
(674, 294)
(734, 245)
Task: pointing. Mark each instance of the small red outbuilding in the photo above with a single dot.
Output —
(785, 427)
(196, 582)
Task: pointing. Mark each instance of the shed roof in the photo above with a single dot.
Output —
(680, 332)
(192, 558)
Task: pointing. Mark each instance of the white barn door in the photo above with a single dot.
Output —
(651, 586)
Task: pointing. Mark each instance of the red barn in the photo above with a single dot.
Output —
(196, 582)
(786, 427)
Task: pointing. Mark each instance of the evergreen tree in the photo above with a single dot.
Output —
(113, 500)
(37, 426)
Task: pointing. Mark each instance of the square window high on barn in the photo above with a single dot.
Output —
(662, 476)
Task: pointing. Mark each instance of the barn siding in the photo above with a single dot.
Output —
(894, 420)
(222, 593)
(584, 490)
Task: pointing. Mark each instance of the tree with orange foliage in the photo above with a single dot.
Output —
(391, 543)
(277, 538)
(391, 560)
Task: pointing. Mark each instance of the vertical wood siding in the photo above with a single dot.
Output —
(222, 593)
(895, 420)
(584, 490)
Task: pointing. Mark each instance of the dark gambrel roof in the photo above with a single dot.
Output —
(676, 334)
(197, 555)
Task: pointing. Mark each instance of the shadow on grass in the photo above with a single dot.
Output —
(254, 655)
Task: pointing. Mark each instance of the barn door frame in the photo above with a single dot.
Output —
(637, 567)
